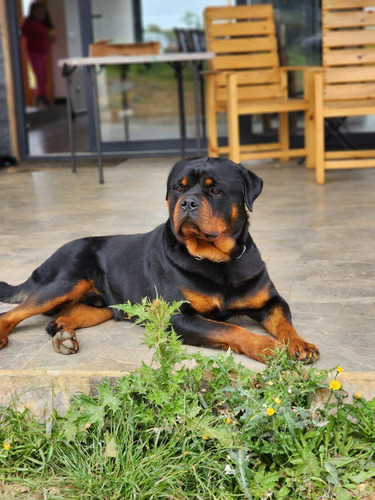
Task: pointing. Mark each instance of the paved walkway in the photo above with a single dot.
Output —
(318, 243)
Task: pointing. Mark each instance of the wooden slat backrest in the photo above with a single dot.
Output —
(244, 40)
(348, 28)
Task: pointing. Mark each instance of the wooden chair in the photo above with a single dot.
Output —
(245, 78)
(345, 85)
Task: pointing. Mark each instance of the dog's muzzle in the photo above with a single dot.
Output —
(190, 204)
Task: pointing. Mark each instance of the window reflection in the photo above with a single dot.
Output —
(140, 103)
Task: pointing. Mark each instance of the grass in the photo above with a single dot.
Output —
(194, 427)
(154, 91)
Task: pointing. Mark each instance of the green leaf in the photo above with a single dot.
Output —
(332, 476)
(362, 476)
(307, 463)
(69, 431)
(341, 461)
(239, 457)
(341, 494)
(106, 393)
(110, 446)
(93, 414)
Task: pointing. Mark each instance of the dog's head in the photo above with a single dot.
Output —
(206, 200)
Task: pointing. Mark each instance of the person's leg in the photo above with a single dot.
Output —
(39, 65)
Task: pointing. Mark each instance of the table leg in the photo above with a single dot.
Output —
(181, 105)
(202, 100)
(94, 85)
(124, 97)
(67, 73)
(196, 107)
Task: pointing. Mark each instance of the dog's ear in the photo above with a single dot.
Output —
(253, 186)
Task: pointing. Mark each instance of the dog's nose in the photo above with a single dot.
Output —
(189, 204)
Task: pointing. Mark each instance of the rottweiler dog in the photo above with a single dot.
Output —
(203, 255)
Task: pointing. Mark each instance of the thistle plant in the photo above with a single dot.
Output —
(208, 429)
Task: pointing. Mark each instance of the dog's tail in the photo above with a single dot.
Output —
(13, 294)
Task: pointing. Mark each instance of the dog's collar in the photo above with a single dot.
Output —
(238, 257)
(243, 251)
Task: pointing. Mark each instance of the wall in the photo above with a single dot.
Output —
(58, 48)
(5, 140)
(74, 49)
(115, 23)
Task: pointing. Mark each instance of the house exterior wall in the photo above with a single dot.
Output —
(5, 142)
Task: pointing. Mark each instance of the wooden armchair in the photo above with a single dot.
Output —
(245, 78)
(345, 86)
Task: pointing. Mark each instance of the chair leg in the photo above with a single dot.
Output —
(284, 134)
(211, 117)
(232, 117)
(319, 151)
(319, 129)
(212, 141)
(310, 161)
(309, 119)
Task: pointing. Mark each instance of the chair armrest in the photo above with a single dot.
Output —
(208, 72)
(300, 68)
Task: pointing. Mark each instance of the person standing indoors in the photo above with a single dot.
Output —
(38, 31)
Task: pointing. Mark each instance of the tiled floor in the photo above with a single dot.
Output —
(318, 243)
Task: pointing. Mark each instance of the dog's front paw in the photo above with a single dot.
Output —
(65, 342)
(303, 351)
(3, 341)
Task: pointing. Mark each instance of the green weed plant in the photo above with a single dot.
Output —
(189, 426)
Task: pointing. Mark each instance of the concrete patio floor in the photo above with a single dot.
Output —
(317, 241)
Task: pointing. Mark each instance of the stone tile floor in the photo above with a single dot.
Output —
(318, 243)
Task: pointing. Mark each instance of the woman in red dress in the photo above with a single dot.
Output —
(38, 31)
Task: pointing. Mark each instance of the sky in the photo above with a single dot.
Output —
(169, 13)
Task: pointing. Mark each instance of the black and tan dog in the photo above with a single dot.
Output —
(203, 254)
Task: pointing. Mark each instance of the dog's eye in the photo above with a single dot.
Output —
(214, 190)
(180, 189)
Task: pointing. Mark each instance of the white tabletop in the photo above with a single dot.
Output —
(146, 58)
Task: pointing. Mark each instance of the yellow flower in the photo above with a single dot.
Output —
(357, 395)
(339, 369)
(228, 420)
(270, 411)
(277, 401)
(185, 453)
(270, 382)
(6, 446)
(334, 385)
(205, 438)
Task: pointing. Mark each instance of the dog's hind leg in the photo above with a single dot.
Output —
(62, 329)
(39, 302)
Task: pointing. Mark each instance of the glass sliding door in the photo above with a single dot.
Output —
(301, 37)
(45, 122)
(139, 109)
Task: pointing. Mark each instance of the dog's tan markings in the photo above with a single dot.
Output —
(72, 317)
(83, 316)
(31, 306)
(176, 216)
(255, 301)
(234, 213)
(225, 243)
(278, 325)
(208, 222)
(217, 250)
(208, 182)
(184, 182)
(201, 302)
(240, 340)
(206, 236)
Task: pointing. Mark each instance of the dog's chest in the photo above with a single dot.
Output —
(209, 303)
